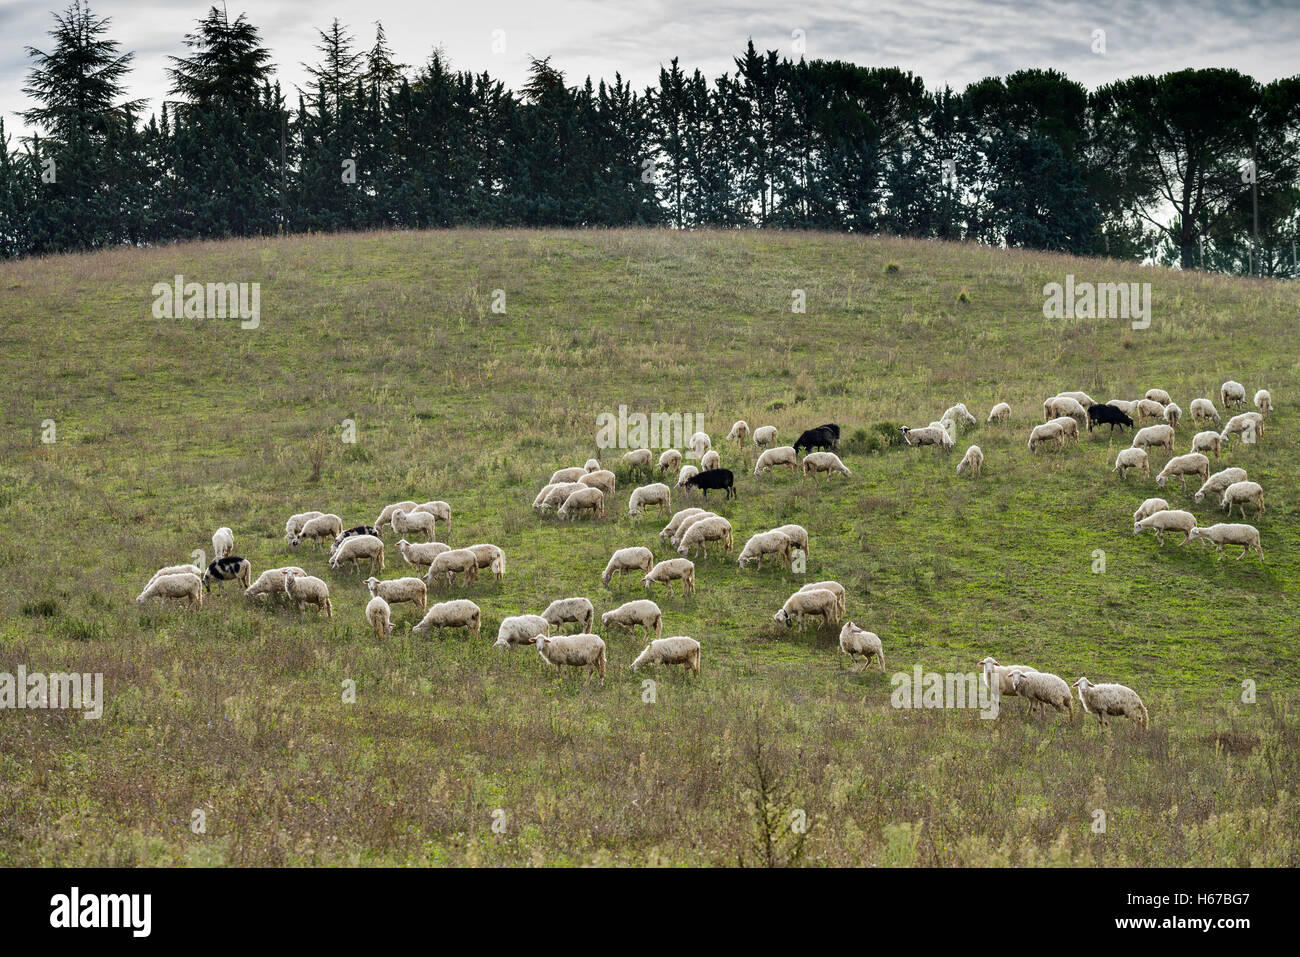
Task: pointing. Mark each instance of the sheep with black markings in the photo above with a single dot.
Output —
(1216, 483)
(230, 568)
(670, 570)
(637, 557)
(457, 613)
(181, 585)
(565, 610)
(632, 614)
(677, 650)
(1112, 699)
(859, 641)
(304, 590)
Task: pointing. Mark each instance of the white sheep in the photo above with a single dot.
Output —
(1154, 436)
(797, 534)
(380, 616)
(602, 479)
(1045, 433)
(1082, 398)
(739, 431)
(490, 557)
(577, 651)
(571, 474)
(397, 590)
(1208, 442)
(557, 495)
(638, 459)
(585, 499)
(959, 416)
(386, 516)
(859, 641)
(1000, 413)
(295, 523)
(677, 650)
(669, 530)
(1239, 494)
(828, 462)
(642, 612)
(935, 435)
(407, 523)
(315, 530)
(304, 590)
(175, 570)
(457, 613)
(763, 544)
(641, 498)
(684, 476)
(1173, 414)
(1224, 533)
(1203, 410)
(1132, 459)
(1149, 507)
(1158, 395)
(670, 570)
(626, 559)
(1112, 699)
(519, 630)
(1129, 408)
(814, 603)
(1264, 401)
(670, 460)
(710, 460)
(1232, 393)
(450, 563)
(834, 587)
(713, 528)
(764, 436)
(999, 678)
(421, 554)
(563, 610)
(181, 585)
(1167, 520)
(948, 426)
(439, 510)
(1249, 425)
(593, 465)
(358, 547)
(1040, 688)
(1069, 428)
(223, 542)
(1219, 481)
(1148, 409)
(271, 582)
(700, 443)
(686, 524)
(1193, 463)
(972, 461)
(779, 455)
(1063, 405)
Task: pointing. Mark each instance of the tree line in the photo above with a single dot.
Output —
(1198, 167)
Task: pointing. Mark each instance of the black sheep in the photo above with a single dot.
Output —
(1103, 414)
(714, 479)
(819, 438)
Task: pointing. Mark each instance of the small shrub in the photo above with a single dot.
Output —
(891, 267)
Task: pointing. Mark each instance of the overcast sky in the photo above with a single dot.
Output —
(944, 41)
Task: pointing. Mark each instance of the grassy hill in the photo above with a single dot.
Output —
(167, 429)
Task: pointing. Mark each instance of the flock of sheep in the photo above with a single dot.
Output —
(579, 490)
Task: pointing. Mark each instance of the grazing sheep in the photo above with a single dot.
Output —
(668, 571)
(641, 612)
(972, 461)
(771, 458)
(1082, 398)
(959, 416)
(763, 544)
(835, 588)
(454, 561)
(354, 530)
(638, 459)
(685, 525)
(223, 542)
(1208, 442)
(397, 590)
(295, 523)
(304, 590)
(180, 585)
(948, 425)
(797, 534)
(858, 641)
(739, 431)
(1129, 408)
(714, 528)
(1264, 401)
(1249, 425)
(670, 529)
(578, 651)
(593, 465)
(1203, 410)
(406, 523)
(562, 610)
(1173, 414)
(700, 443)
(439, 510)
(1149, 409)
(319, 528)
(677, 650)
(999, 679)
(1040, 689)
(271, 582)
(176, 570)
(457, 613)
(670, 461)
(585, 499)
(1000, 413)
(1108, 415)
(1045, 433)
(764, 436)
(1216, 483)
(824, 437)
(1132, 459)
(358, 547)
(380, 616)
(710, 460)
(421, 554)
(1232, 393)
(557, 495)
(386, 516)
(655, 494)
(519, 630)
(1167, 520)
(571, 474)
(1062, 405)
(930, 435)
(814, 603)
(1155, 436)
(490, 557)
(1149, 507)
(1193, 463)
(1158, 395)
(230, 568)
(1112, 699)
(626, 559)
(1069, 428)
(602, 479)
(828, 462)
(714, 479)
(684, 477)
(1238, 494)
(1224, 533)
